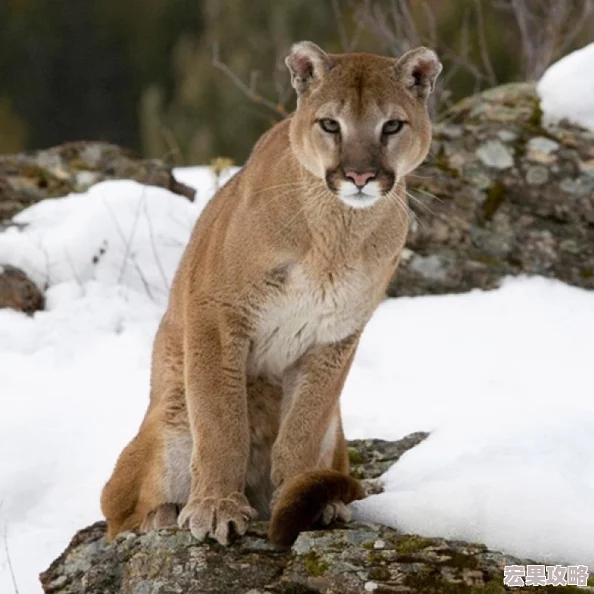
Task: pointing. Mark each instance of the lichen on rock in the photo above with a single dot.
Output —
(344, 559)
(28, 178)
(500, 194)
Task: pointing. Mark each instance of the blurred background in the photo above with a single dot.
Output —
(190, 80)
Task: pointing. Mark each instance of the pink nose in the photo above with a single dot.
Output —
(360, 179)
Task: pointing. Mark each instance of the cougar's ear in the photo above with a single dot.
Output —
(419, 69)
(307, 62)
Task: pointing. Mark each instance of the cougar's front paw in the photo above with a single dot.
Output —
(217, 517)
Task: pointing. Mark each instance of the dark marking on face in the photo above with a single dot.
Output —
(332, 177)
(360, 86)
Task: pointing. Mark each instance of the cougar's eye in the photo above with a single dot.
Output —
(392, 127)
(329, 125)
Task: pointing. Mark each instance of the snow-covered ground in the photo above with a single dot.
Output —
(503, 380)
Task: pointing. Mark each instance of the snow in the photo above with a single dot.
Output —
(509, 402)
(502, 379)
(566, 89)
(119, 232)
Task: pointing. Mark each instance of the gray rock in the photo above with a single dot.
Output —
(429, 267)
(536, 176)
(73, 167)
(18, 291)
(495, 154)
(501, 196)
(542, 144)
(342, 560)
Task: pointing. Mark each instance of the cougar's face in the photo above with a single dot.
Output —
(361, 127)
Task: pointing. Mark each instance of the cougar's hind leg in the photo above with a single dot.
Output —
(163, 516)
(172, 467)
(151, 479)
(133, 489)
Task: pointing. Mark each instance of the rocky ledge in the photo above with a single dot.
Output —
(342, 560)
(500, 194)
(28, 178)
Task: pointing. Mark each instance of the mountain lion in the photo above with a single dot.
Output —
(285, 267)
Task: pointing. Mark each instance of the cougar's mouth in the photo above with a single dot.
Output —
(360, 196)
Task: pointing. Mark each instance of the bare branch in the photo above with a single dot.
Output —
(250, 93)
(173, 148)
(254, 77)
(154, 248)
(431, 24)
(585, 15)
(344, 38)
(373, 16)
(130, 239)
(482, 42)
(127, 242)
(9, 562)
(521, 15)
(547, 29)
(282, 86)
(401, 11)
(347, 44)
(359, 28)
(400, 29)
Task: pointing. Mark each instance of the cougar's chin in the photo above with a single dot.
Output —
(356, 197)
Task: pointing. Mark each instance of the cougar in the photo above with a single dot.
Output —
(285, 267)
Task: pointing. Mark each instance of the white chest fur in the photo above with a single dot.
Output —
(309, 312)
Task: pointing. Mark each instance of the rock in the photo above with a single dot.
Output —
(347, 560)
(501, 194)
(343, 560)
(495, 154)
(73, 167)
(370, 458)
(18, 291)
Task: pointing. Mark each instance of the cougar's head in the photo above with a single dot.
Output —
(361, 122)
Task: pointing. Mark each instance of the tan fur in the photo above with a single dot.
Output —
(303, 502)
(284, 268)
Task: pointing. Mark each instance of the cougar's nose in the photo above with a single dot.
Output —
(360, 179)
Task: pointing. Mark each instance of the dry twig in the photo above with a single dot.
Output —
(9, 563)
(248, 90)
(547, 29)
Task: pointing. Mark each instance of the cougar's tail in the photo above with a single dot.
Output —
(303, 498)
